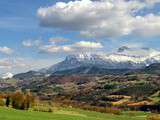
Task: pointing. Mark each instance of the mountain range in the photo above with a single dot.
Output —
(125, 60)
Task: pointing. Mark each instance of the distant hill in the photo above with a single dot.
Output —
(95, 70)
(28, 75)
(152, 69)
(92, 70)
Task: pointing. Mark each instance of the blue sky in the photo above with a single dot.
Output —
(38, 33)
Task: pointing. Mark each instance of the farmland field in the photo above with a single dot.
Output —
(66, 114)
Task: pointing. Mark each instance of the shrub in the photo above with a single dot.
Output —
(109, 86)
(153, 117)
(111, 110)
(131, 113)
(43, 108)
(114, 111)
(2, 102)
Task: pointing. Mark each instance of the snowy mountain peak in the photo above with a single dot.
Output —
(7, 75)
(127, 58)
(138, 52)
(123, 48)
(82, 57)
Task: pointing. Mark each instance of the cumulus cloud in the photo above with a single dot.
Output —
(58, 39)
(5, 63)
(31, 43)
(9, 63)
(151, 2)
(139, 52)
(56, 49)
(103, 18)
(6, 50)
(75, 47)
(133, 45)
(19, 65)
(88, 44)
(27, 43)
(148, 25)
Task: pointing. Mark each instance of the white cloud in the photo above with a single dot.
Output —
(75, 47)
(9, 63)
(103, 18)
(58, 39)
(134, 51)
(19, 65)
(5, 63)
(56, 49)
(27, 43)
(148, 25)
(133, 45)
(88, 44)
(31, 43)
(6, 50)
(151, 2)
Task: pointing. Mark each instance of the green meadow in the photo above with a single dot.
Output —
(67, 114)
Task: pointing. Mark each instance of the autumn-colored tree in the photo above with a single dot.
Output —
(29, 100)
(18, 100)
(21, 100)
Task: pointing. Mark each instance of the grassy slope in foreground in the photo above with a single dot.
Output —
(65, 114)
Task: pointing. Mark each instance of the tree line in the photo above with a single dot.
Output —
(18, 99)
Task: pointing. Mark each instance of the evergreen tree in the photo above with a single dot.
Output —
(7, 101)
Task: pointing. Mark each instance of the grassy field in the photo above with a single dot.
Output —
(66, 114)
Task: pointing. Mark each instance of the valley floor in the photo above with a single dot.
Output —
(67, 114)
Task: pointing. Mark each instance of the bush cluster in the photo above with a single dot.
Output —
(76, 104)
(2, 102)
(43, 109)
(19, 100)
(111, 110)
(153, 117)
